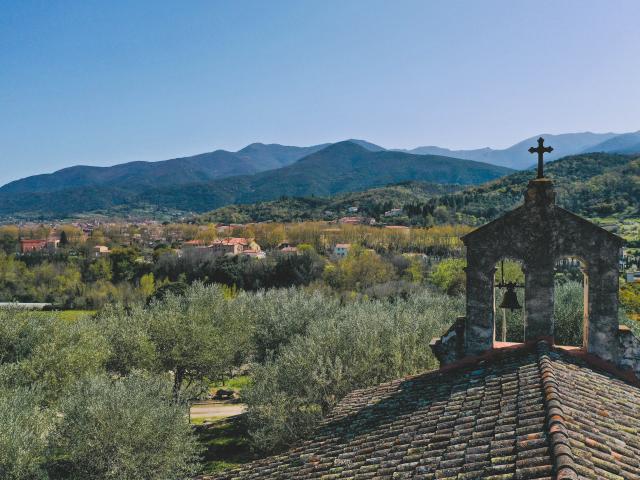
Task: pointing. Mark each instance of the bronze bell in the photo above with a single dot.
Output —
(510, 299)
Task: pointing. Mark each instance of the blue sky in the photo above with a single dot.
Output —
(99, 83)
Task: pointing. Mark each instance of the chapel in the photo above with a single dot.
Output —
(497, 410)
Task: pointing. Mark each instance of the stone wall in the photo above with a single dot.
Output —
(629, 350)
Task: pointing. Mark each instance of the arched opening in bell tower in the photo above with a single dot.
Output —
(571, 301)
(509, 301)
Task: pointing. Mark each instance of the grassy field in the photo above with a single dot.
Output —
(235, 383)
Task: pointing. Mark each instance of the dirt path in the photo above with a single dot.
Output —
(213, 408)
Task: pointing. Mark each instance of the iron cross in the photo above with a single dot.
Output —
(541, 150)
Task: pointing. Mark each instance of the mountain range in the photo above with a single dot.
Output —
(264, 172)
(340, 167)
(253, 158)
(518, 157)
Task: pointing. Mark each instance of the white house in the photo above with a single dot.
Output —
(394, 212)
(341, 249)
(101, 251)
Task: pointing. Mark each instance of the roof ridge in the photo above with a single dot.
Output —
(561, 453)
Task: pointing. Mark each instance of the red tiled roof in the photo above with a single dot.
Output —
(232, 241)
(527, 412)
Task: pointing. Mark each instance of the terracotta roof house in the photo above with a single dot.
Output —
(499, 411)
(29, 245)
(101, 250)
(234, 246)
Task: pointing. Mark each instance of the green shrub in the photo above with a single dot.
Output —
(449, 276)
(124, 428)
(24, 430)
(42, 349)
(362, 344)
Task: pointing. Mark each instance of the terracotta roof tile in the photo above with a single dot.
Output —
(523, 413)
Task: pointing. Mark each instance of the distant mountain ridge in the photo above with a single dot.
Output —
(253, 158)
(337, 168)
(518, 157)
(623, 143)
(259, 157)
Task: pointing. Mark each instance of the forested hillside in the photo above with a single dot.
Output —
(592, 185)
(373, 202)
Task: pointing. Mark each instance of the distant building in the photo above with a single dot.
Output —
(352, 209)
(52, 244)
(341, 250)
(32, 245)
(101, 250)
(234, 246)
(394, 212)
(259, 254)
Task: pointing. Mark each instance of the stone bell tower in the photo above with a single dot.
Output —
(538, 234)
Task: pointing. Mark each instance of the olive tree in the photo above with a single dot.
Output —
(196, 336)
(127, 333)
(362, 344)
(124, 428)
(42, 349)
(24, 431)
(280, 315)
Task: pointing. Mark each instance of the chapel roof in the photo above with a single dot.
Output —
(525, 412)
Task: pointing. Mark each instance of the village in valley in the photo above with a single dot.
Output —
(130, 295)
